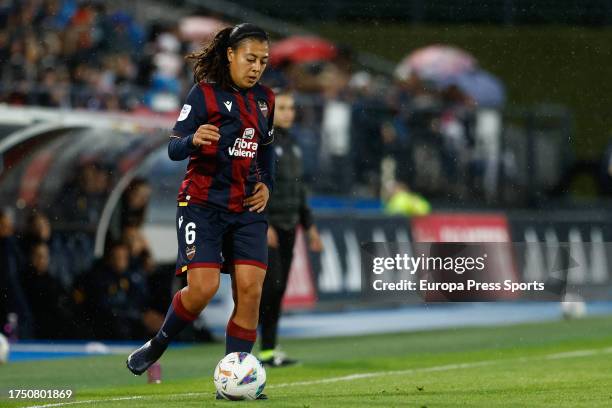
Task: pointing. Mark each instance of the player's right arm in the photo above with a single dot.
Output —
(191, 130)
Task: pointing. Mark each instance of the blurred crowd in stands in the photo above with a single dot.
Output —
(124, 295)
(361, 134)
(356, 128)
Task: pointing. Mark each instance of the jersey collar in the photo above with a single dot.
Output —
(243, 91)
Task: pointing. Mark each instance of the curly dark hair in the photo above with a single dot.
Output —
(211, 63)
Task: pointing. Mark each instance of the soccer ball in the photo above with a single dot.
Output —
(573, 306)
(4, 349)
(240, 376)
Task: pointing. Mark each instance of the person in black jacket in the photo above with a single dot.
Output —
(112, 297)
(287, 210)
(50, 302)
(14, 307)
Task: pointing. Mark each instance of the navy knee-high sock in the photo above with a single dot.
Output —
(176, 320)
(238, 338)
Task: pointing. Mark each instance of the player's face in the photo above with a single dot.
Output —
(284, 111)
(247, 62)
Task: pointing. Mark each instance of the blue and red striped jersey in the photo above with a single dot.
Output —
(224, 173)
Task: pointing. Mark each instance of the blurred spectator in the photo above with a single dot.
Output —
(402, 201)
(126, 36)
(114, 299)
(37, 230)
(86, 194)
(369, 114)
(455, 124)
(140, 254)
(167, 62)
(50, 303)
(132, 210)
(54, 89)
(336, 133)
(135, 202)
(12, 296)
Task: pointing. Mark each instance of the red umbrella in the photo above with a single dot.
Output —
(199, 28)
(302, 49)
(436, 62)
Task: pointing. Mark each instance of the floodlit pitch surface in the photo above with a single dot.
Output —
(560, 364)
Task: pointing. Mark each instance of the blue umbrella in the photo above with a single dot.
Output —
(485, 88)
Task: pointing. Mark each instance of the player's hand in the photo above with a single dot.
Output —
(259, 199)
(206, 135)
(272, 237)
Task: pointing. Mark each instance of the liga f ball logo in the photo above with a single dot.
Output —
(248, 133)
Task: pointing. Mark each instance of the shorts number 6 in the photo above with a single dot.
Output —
(190, 234)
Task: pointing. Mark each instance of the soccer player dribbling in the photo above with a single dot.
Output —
(225, 128)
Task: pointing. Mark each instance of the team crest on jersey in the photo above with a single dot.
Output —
(263, 107)
(190, 252)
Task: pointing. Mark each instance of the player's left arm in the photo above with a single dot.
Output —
(265, 166)
(265, 151)
(266, 160)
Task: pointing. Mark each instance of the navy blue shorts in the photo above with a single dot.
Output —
(207, 235)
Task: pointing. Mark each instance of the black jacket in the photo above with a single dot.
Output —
(288, 206)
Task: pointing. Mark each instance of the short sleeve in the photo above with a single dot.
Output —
(193, 113)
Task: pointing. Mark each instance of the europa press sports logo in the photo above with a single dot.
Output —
(244, 146)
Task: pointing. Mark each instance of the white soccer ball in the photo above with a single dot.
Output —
(4, 349)
(573, 306)
(240, 376)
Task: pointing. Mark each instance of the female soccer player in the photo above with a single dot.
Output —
(225, 128)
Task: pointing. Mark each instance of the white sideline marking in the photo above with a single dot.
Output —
(350, 377)
(63, 404)
(98, 349)
(385, 373)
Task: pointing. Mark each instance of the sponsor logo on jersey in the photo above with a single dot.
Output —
(263, 107)
(243, 148)
(190, 252)
(228, 105)
(184, 112)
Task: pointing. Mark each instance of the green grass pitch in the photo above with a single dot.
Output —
(558, 364)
